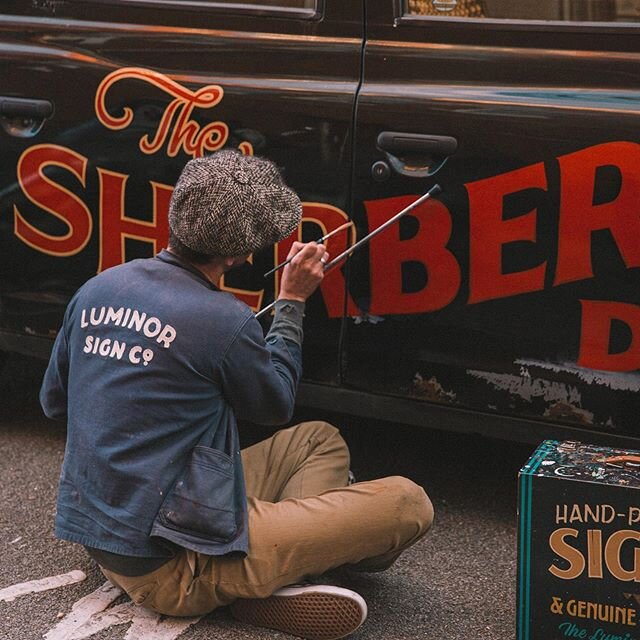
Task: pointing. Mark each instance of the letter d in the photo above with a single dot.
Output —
(597, 318)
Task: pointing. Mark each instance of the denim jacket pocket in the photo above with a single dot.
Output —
(201, 502)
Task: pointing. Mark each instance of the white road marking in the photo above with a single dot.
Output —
(82, 611)
(92, 614)
(8, 594)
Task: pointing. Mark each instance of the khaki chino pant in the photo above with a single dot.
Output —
(303, 521)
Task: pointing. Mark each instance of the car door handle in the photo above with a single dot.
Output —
(24, 117)
(416, 143)
(25, 108)
(416, 154)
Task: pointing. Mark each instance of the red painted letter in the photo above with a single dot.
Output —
(428, 247)
(488, 232)
(597, 317)
(252, 299)
(115, 226)
(579, 217)
(54, 199)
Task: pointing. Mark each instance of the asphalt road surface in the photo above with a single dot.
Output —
(457, 583)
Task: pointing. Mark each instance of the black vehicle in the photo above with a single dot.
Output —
(509, 305)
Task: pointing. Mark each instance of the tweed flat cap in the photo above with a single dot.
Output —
(230, 204)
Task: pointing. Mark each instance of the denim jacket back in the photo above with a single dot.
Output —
(151, 370)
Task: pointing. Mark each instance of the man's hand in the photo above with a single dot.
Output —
(304, 273)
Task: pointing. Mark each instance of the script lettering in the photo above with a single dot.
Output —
(176, 127)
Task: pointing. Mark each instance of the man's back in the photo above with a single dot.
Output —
(152, 349)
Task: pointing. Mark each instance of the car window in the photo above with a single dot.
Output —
(299, 8)
(287, 4)
(552, 10)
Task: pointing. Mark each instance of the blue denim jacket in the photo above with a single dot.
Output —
(151, 369)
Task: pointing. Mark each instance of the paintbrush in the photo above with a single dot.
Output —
(434, 191)
(318, 241)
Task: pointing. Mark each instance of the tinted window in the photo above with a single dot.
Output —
(302, 7)
(557, 10)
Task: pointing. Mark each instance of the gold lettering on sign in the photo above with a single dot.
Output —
(176, 127)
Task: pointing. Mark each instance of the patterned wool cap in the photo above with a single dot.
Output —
(229, 204)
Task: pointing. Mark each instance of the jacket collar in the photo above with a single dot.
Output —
(172, 258)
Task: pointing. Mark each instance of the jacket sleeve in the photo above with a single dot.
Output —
(53, 393)
(260, 377)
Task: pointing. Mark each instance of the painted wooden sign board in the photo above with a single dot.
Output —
(579, 543)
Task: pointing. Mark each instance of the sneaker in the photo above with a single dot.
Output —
(315, 612)
(351, 478)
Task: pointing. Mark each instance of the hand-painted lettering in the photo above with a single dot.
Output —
(489, 233)
(176, 127)
(597, 559)
(120, 226)
(49, 196)
(252, 299)
(428, 248)
(580, 218)
(597, 321)
(582, 214)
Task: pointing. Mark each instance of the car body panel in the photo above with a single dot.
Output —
(137, 94)
(510, 300)
(498, 297)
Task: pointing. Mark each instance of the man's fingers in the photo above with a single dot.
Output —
(305, 272)
(296, 247)
(303, 249)
(310, 252)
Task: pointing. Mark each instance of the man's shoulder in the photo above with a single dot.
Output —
(158, 286)
(139, 274)
(116, 272)
(228, 308)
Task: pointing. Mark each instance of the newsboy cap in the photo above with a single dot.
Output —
(229, 204)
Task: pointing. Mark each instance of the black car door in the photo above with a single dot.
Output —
(516, 293)
(130, 91)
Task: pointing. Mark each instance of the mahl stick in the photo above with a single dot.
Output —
(346, 225)
(434, 191)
